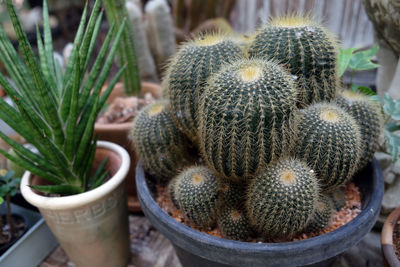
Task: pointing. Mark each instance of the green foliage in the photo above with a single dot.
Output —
(356, 61)
(117, 14)
(8, 184)
(282, 198)
(56, 112)
(362, 59)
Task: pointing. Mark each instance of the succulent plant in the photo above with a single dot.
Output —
(117, 14)
(322, 215)
(160, 31)
(246, 118)
(147, 66)
(306, 49)
(54, 110)
(282, 199)
(188, 71)
(330, 142)
(233, 223)
(196, 191)
(158, 142)
(368, 117)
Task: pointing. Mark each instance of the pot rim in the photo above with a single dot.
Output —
(365, 219)
(387, 236)
(66, 202)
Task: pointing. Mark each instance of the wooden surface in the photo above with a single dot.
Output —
(149, 248)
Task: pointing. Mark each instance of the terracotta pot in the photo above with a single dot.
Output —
(118, 133)
(389, 255)
(91, 227)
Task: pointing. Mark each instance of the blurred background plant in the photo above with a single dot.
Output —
(8, 188)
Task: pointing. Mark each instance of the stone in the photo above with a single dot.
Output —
(396, 167)
(389, 177)
(391, 197)
(385, 160)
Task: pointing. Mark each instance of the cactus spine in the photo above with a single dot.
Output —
(369, 118)
(246, 118)
(158, 142)
(188, 72)
(233, 223)
(306, 49)
(329, 141)
(196, 191)
(282, 199)
(146, 63)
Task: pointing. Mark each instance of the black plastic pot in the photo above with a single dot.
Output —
(15, 217)
(195, 248)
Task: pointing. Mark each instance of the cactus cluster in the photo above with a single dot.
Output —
(274, 137)
(306, 49)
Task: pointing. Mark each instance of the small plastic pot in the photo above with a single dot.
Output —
(195, 248)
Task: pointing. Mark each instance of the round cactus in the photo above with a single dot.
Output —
(246, 118)
(157, 141)
(196, 191)
(231, 194)
(188, 72)
(282, 199)
(322, 216)
(369, 118)
(233, 223)
(306, 49)
(329, 141)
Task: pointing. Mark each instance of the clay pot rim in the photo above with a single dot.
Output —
(387, 236)
(113, 126)
(67, 202)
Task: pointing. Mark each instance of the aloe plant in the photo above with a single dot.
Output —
(8, 188)
(54, 110)
(116, 13)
